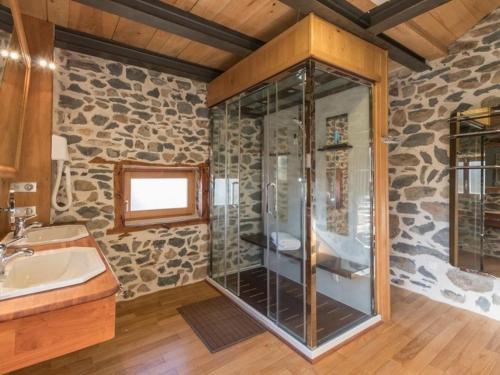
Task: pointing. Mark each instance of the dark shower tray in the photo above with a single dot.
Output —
(326, 262)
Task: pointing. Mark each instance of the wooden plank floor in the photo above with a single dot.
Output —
(424, 337)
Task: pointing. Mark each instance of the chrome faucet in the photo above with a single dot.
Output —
(4, 258)
(20, 227)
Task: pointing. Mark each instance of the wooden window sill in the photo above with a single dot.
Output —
(136, 228)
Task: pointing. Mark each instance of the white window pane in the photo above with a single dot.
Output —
(460, 181)
(158, 193)
(223, 188)
(220, 192)
(460, 178)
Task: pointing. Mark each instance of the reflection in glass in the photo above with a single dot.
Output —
(13, 87)
(285, 200)
(475, 190)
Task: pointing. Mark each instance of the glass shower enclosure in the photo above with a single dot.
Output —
(292, 201)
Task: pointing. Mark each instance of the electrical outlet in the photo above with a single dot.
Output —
(23, 187)
(25, 211)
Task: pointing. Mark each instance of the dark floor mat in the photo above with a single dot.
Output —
(219, 323)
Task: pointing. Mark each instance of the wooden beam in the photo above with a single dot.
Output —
(344, 15)
(108, 49)
(395, 12)
(159, 15)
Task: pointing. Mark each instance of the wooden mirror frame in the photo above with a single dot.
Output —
(9, 171)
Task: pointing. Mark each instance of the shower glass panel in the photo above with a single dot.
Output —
(285, 203)
(232, 196)
(469, 186)
(253, 243)
(342, 203)
(218, 193)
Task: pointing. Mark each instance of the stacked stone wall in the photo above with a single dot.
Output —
(420, 107)
(119, 112)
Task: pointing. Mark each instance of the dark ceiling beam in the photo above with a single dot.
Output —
(354, 20)
(395, 12)
(108, 49)
(171, 19)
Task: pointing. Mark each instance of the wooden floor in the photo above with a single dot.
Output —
(425, 337)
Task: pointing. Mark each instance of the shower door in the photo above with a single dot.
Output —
(225, 221)
(232, 196)
(218, 194)
(285, 204)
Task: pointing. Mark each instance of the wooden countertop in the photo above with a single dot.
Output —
(101, 286)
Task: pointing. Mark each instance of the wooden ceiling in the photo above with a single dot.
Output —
(429, 35)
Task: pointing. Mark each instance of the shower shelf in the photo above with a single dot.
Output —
(340, 146)
(326, 262)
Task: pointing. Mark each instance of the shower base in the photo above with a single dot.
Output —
(337, 322)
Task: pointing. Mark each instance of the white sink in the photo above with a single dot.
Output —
(50, 235)
(50, 269)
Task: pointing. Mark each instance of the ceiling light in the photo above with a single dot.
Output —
(14, 55)
(42, 62)
(4, 53)
(52, 66)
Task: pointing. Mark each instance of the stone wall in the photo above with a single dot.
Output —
(120, 112)
(420, 106)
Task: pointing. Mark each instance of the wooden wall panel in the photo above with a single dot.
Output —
(13, 93)
(35, 160)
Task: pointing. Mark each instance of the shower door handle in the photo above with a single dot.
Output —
(274, 209)
(233, 195)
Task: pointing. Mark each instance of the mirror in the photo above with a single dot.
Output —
(475, 190)
(14, 82)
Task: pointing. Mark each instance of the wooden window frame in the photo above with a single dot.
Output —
(159, 172)
(197, 212)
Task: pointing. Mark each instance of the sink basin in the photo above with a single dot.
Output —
(50, 235)
(50, 269)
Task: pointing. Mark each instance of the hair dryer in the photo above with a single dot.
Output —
(61, 157)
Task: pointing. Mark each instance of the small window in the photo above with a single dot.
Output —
(156, 195)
